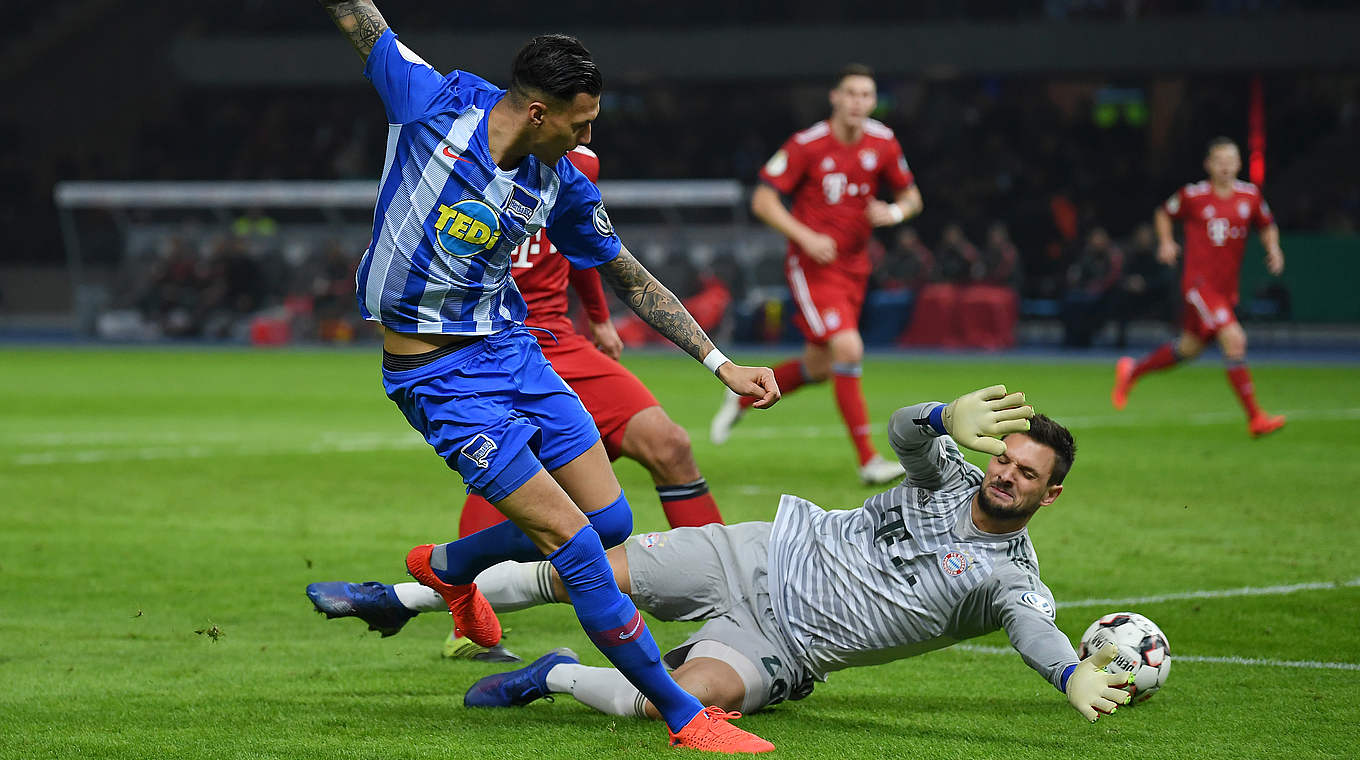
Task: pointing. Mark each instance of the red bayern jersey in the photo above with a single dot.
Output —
(541, 273)
(1216, 230)
(831, 184)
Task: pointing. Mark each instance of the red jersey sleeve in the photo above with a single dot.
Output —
(895, 172)
(586, 283)
(585, 160)
(1263, 217)
(1175, 205)
(786, 167)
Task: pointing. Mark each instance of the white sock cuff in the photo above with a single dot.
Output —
(511, 586)
(414, 596)
(603, 689)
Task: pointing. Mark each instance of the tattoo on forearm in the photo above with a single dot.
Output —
(360, 21)
(656, 305)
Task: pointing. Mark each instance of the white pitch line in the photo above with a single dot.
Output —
(1213, 594)
(324, 445)
(163, 444)
(1234, 660)
(1076, 422)
(1231, 660)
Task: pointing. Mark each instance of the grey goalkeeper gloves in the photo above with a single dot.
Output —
(979, 419)
(1091, 689)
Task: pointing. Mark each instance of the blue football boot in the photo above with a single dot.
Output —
(372, 602)
(517, 688)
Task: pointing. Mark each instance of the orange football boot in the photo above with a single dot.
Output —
(710, 731)
(472, 613)
(1123, 382)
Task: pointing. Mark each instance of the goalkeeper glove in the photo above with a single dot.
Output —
(1090, 688)
(980, 418)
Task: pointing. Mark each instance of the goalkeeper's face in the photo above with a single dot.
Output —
(1017, 482)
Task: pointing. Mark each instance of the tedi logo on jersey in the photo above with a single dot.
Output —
(467, 228)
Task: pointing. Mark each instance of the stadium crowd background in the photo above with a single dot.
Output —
(1043, 184)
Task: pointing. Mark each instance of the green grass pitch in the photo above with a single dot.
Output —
(163, 511)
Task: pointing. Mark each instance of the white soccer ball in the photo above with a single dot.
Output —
(1143, 650)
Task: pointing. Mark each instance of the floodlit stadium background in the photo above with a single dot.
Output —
(1036, 122)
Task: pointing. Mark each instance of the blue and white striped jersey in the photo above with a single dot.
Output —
(447, 219)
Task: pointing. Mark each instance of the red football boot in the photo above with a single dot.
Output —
(1265, 424)
(472, 613)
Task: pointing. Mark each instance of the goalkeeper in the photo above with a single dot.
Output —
(943, 557)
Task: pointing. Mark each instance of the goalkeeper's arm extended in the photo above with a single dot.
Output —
(980, 419)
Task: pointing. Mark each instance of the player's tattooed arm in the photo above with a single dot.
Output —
(656, 305)
(360, 21)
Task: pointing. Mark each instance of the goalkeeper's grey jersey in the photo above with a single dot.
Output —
(908, 572)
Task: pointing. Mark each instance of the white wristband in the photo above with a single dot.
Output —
(714, 360)
(898, 214)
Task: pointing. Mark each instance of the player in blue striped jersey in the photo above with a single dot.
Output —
(471, 172)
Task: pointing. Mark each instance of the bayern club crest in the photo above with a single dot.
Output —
(777, 163)
(954, 563)
(868, 159)
(1243, 209)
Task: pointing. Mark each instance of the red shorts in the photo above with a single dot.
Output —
(607, 389)
(1205, 312)
(826, 300)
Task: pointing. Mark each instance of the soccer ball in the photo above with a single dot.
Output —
(1142, 650)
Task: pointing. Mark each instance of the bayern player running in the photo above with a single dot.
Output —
(833, 170)
(471, 172)
(1216, 216)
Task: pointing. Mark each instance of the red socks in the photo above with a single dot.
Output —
(850, 399)
(689, 505)
(685, 505)
(1239, 377)
(477, 514)
(1163, 357)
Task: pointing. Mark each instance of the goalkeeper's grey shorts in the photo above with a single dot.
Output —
(718, 573)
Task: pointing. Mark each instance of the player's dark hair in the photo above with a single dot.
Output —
(1219, 142)
(1043, 429)
(853, 70)
(556, 65)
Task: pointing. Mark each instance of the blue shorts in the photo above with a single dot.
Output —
(495, 411)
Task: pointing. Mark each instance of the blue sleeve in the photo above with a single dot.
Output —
(578, 224)
(405, 82)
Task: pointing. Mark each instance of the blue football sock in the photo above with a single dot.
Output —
(616, 627)
(458, 562)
